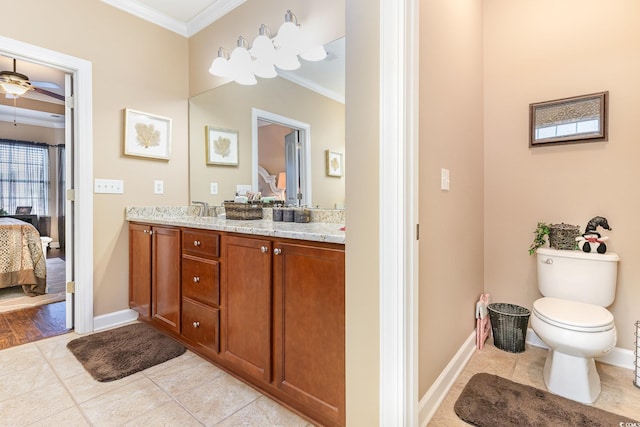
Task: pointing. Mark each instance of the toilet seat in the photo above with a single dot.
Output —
(573, 315)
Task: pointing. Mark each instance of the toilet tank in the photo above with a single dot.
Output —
(578, 276)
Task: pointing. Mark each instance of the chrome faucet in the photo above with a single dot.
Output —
(205, 208)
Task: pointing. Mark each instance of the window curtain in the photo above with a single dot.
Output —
(61, 194)
(24, 176)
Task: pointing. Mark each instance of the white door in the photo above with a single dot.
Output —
(69, 204)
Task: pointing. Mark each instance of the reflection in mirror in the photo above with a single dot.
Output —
(316, 112)
(581, 118)
(281, 145)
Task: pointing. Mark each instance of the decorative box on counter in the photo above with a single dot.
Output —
(249, 210)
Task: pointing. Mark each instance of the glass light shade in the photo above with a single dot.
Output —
(220, 67)
(286, 60)
(262, 48)
(287, 35)
(316, 53)
(240, 62)
(245, 78)
(264, 69)
(13, 88)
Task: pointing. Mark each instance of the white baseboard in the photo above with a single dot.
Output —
(117, 318)
(619, 357)
(437, 392)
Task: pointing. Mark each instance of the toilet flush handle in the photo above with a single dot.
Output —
(548, 261)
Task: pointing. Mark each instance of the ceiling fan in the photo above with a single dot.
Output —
(16, 84)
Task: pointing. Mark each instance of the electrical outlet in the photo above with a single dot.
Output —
(158, 187)
(214, 188)
(108, 186)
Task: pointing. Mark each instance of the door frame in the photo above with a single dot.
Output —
(398, 184)
(82, 241)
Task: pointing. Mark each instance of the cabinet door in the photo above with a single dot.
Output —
(140, 269)
(309, 327)
(246, 305)
(166, 277)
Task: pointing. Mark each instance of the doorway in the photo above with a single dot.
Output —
(294, 155)
(79, 171)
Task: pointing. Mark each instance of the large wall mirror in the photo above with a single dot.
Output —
(301, 104)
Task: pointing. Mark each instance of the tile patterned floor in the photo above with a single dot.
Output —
(42, 384)
(619, 395)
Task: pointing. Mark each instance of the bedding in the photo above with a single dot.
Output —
(22, 261)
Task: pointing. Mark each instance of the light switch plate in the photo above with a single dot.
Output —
(444, 180)
(213, 188)
(108, 186)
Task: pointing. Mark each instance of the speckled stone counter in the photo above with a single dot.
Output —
(183, 216)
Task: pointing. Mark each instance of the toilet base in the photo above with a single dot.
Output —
(573, 377)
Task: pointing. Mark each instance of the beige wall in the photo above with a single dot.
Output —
(363, 218)
(543, 50)
(451, 137)
(229, 107)
(135, 65)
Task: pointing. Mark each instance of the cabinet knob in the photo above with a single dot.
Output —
(196, 324)
(277, 251)
(264, 249)
(196, 279)
(196, 243)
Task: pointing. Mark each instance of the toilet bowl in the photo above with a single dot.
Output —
(576, 333)
(572, 321)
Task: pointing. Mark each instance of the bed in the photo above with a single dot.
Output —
(22, 262)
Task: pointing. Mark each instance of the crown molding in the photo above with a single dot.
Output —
(187, 29)
(211, 14)
(31, 117)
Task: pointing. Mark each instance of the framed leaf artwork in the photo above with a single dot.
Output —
(334, 163)
(147, 135)
(221, 146)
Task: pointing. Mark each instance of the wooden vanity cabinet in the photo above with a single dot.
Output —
(246, 305)
(140, 269)
(154, 274)
(201, 289)
(309, 327)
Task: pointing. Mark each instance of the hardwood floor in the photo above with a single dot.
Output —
(33, 323)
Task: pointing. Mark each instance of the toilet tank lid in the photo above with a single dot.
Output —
(573, 313)
(609, 256)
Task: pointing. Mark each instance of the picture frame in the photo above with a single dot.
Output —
(334, 163)
(23, 210)
(562, 121)
(221, 146)
(147, 135)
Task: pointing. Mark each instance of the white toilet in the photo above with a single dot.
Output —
(572, 320)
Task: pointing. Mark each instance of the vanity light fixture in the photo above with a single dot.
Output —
(267, 53)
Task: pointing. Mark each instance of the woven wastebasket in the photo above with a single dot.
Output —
(509, 326)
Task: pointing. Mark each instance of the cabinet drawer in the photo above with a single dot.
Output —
(200, 279)
(201, 243)
(201, 324)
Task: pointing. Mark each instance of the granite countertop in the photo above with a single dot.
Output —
(183, 217)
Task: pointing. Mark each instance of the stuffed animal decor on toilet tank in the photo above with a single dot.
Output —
(591, 240)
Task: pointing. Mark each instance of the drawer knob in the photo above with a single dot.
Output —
(277, 251)
(196, 279)
(196, 243)
(196, 324)
(264, 249)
